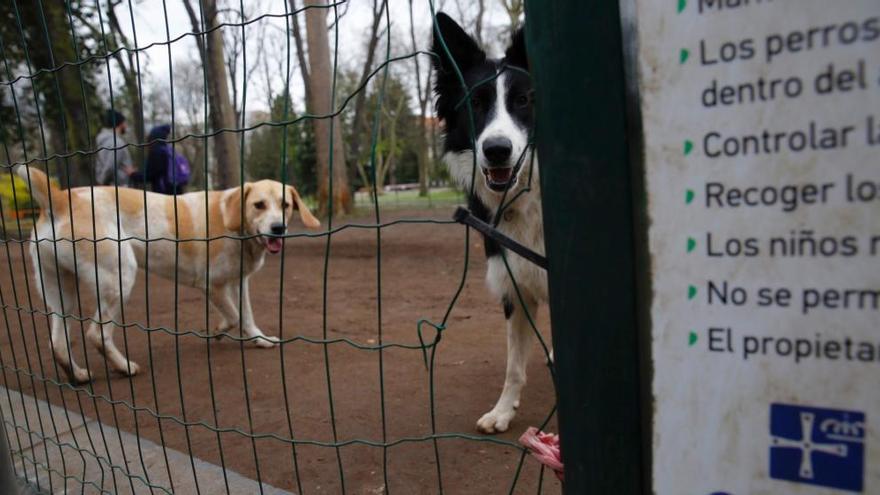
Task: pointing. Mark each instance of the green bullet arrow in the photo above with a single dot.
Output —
(691, 244)
(681, 5)
(692, 339)
(688, 147)
(692, 292)
(683, 55)
(688, 196)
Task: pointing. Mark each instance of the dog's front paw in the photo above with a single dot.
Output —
(131, 369)
(495, 421)
(220, 330)
(81, 376)
(266, 341)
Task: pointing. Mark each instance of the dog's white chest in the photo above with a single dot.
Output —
(521, 221)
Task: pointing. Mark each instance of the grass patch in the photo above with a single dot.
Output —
(441, 197)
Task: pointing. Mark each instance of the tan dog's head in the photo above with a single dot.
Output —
(267, 208)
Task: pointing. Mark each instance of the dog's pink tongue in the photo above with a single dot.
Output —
(500, 175)
(273, 244)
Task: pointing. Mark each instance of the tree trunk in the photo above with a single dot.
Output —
(321, 104)
(227, 158)
(389, 163)
(68, 118)
(423, 156)
(385, 165)
(426, 153)
(423, 94)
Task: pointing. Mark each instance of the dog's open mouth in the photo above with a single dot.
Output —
(498, 178)
(273, 244)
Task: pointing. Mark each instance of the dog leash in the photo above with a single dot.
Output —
(465, 217)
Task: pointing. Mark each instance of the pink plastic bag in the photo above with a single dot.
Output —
(545, 448)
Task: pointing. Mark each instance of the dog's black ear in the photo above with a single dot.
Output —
(464, 50)
(516, 53)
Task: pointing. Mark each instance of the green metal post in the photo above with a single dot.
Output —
(577, 58)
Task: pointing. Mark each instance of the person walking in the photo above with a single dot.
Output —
(113, 164)
(167, 171)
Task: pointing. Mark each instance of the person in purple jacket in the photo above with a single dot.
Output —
(166, 169)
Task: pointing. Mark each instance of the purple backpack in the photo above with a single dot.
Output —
(179, 171)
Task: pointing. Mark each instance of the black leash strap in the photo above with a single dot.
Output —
(464, 217)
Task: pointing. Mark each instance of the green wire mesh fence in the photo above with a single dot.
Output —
(346, 402)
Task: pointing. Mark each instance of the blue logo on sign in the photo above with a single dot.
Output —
(824, 447)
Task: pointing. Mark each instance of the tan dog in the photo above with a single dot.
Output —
(258, 212)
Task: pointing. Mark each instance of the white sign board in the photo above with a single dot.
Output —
(762, 155)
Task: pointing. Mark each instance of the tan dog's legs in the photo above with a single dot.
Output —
(247, 320)
(226, 300)
(61, 343)
(112, 297)
(220, 325)
(227, 312)
(61, 350)
(58, 291)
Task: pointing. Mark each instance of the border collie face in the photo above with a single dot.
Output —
(501, 101)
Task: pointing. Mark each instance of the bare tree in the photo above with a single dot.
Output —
(211, 47)
(423, 95)
(321, 104)
(360, 120)
(301, 54)
(274, 64)
(478, 22)
(263, 59)
(234, 49)
(126, 61)
(472, 22)
(105, 26)
(386, 155)
(515, 10)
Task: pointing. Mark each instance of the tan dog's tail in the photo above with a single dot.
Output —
(41, 188)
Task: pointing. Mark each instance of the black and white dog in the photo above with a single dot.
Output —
(501, 102)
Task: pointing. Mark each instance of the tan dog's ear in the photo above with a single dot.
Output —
(231, 204)
(305, 214)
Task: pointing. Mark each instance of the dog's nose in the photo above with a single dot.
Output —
(277, 228)
(497, 150)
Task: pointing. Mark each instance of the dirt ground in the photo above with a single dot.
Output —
(286, 389)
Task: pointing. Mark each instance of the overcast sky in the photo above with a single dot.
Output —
(150, 24)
